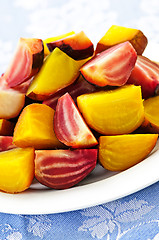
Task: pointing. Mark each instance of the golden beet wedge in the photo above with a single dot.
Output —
(151, 121)
(113, 112)
(34, 128)
(58, 71)
(117, 34)
(16, 169)
(117, 153)
(52, 39)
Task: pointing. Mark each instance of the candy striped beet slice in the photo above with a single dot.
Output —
(61, 169)
(69, 125)
(26, 62)
(111, 67)
(145, 74)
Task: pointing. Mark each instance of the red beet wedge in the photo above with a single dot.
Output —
(78, 46)
(111, 67)
(6, 143)
(27, 60)
(69, 125)
(61, 169)
(145, 74)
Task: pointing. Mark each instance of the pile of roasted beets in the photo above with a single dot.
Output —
(66, 105)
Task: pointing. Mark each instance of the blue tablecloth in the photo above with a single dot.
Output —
(132, 217)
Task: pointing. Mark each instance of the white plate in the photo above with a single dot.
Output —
(99, 187)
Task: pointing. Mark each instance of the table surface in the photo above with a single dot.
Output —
(132, 217)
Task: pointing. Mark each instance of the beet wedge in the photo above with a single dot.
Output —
(62, 169)
(6, 143)
(17, 169)
(69, 125)
(58, 71)
(26, 62)
(118, 34)
(151, 118)
(53, 39)
(118, 153)
(12, 103)
(146, 75)
(111, 67)
(113, 112)
(78, 46)
(6, 127)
